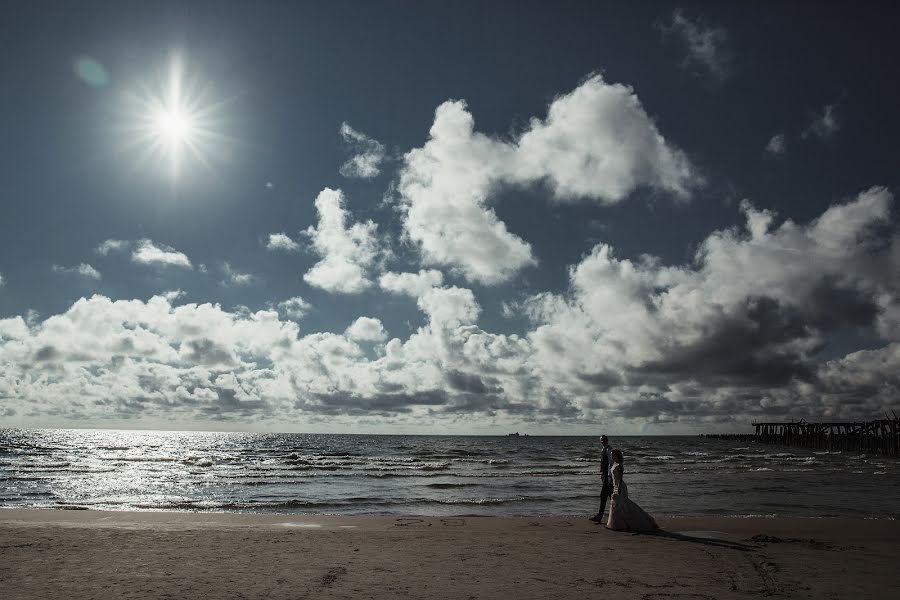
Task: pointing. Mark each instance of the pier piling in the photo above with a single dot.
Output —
(880, 436)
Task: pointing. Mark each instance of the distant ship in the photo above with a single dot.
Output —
(516, 434)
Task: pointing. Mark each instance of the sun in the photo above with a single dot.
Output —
(175, 124)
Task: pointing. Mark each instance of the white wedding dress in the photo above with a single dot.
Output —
(624, 514)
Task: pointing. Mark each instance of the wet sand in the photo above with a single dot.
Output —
(93, 554)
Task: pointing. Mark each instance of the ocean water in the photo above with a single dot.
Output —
(431, 475)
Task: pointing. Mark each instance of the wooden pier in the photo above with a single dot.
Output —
(881, 436)
(737, 437)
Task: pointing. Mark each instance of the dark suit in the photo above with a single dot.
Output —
(607, 489)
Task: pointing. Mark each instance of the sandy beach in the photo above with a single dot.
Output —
(94, 554)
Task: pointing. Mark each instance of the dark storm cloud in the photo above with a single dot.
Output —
(753, 346)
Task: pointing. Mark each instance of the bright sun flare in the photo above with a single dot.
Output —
(174, 125)
(174, 122)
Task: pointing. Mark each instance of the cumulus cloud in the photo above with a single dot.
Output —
(83, 270)
(411, 284)
(825, 124)
(596, 143)
(117, 358)
(368, 154)
(734, 333)
(777, 145)
(706, 46)
(751, 313)
(111, 245)
(148, 252)
(282, 242)
(172, 295)
(346, 251)
(294, 308)
(366, 329)
(234, 277)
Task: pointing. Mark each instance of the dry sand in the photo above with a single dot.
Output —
(90, 554)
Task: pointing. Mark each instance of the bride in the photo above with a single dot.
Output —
(625, 515)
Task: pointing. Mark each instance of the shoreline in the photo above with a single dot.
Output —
(157, 554)
(265, 515)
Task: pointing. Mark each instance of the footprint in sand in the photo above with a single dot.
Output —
(331, 576)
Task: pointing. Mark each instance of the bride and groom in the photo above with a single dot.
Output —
(624, 514)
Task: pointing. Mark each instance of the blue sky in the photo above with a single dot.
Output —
(663, 218)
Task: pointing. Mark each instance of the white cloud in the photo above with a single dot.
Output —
(2, 280)
(366, 329)
(368, 154)
(346, 252)
(596, 143)
(83, 270)
(111, 245)
(411, 284)
(295, 308)
(706, 46)
(172, 295)
(149, 253)
(735, 333)
(233, 277)
(777, 145)
(14, 328)
(753, 310)
(281, 241)
(450, 307)
(825, 124)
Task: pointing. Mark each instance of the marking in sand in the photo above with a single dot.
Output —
(407, 522)
(453, 522)
(303, 525)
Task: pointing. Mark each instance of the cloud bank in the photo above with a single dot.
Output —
(734, 333)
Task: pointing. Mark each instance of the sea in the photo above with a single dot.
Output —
(431, 475)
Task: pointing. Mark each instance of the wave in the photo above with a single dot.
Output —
(139, 459)
(450, 486)
(485, 501)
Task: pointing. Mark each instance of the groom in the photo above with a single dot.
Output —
(605, 477)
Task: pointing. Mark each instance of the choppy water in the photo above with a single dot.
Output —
(430, 475)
